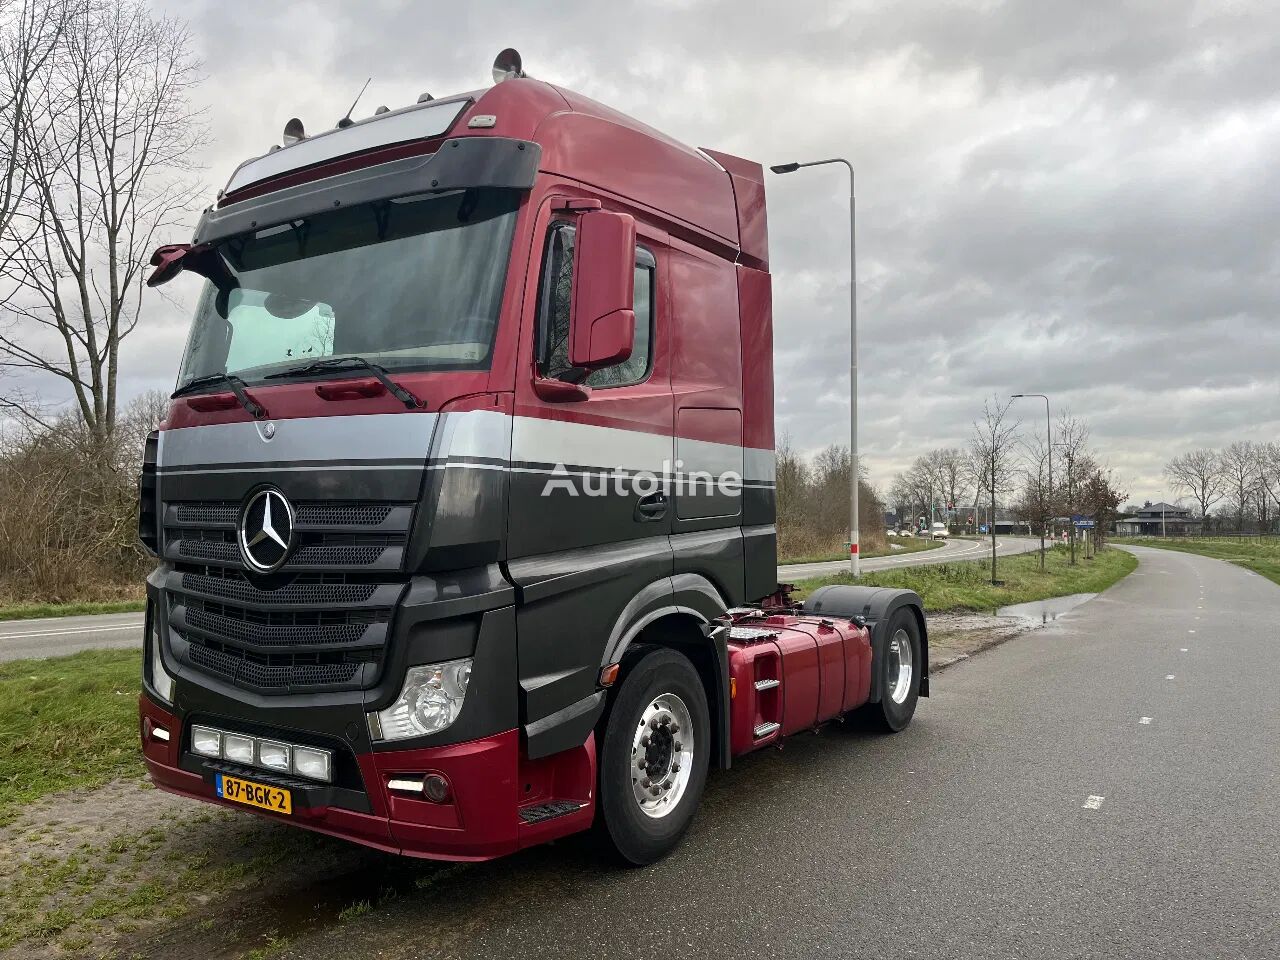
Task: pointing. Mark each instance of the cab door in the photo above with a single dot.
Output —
(590, 512)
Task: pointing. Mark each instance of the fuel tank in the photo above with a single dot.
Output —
(792, 672)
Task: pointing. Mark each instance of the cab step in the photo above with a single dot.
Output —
(549, 811)
(766, 729)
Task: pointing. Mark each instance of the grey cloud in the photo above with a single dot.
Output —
(1077, 199)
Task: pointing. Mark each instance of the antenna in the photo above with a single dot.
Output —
(347, 121)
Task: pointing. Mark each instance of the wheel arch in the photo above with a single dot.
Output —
(877, 607)
(688, 622)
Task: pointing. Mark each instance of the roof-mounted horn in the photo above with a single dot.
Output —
(507, 65)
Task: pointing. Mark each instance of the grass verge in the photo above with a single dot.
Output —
(36, 611)
(67, 722)
(1259, 554)
(967, 586)
(905, 545)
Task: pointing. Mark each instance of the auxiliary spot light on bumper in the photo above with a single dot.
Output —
(263, 752)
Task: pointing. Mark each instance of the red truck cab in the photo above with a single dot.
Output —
(467, 489)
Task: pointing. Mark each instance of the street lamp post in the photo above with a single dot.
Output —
(1071, 469)
(854, 555)
(1048, 437)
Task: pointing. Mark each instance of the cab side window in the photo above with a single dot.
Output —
(556, 298)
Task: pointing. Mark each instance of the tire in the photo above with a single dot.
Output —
(898, 699)
(662, 688)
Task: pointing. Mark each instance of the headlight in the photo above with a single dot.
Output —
(429, 702)
(161, 682)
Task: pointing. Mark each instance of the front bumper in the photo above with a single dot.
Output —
(492, 790)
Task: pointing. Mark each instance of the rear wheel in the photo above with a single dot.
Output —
(898, 667)
(653, 763)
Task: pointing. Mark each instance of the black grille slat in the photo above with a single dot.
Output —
(336, 555)
(208, 550)
(274, 635)
(284, 670)
(316, 590)
(343, 515)
(220, 513)
(312, 550)
(208, 513)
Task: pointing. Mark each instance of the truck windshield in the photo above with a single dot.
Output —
(413, 283)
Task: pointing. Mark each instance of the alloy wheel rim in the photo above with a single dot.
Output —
(899, 666)
(662, 755)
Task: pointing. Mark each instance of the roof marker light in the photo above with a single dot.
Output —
(293, 132)
(507, 65)
(425, 98)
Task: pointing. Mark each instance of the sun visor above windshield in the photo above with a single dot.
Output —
(479, 162)
(419, 122)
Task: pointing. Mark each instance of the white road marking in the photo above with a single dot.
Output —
(1169, 677)
(1190, 631)
(1182, 649)
(1146, 720)
(1093, 803)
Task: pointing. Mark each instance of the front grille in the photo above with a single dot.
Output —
(321, 621)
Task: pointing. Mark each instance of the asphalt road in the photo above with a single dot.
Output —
(58, 637)
(1030, 811)
(950, 551)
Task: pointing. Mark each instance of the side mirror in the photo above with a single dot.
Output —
(168, 263)
(602, 324)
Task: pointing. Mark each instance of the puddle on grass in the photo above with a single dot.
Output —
(1041, 612)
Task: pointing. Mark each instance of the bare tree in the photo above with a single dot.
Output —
(1073, 439)
(1268, 458)
(103, 147)
(1199, 473)
(947, 466)
(29, 33)
(1240, 475)
(993, 443)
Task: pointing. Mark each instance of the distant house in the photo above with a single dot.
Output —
(1157, 520)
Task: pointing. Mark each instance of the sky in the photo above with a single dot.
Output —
(1077, 199)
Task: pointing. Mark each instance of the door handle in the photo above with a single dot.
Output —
(652, 507)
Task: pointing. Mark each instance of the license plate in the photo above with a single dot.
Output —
(255, 794)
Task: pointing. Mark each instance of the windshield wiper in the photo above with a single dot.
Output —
(337, 363)
(256, 410)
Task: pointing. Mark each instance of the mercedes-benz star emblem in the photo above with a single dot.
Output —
(266, 530)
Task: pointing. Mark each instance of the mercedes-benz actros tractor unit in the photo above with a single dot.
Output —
(463, 510)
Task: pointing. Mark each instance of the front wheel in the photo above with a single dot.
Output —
(653, 763)
(899, 669)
